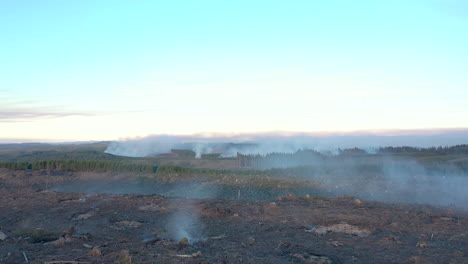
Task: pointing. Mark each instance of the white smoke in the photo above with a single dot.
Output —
(398, 180)
(229, 146)
(185, 223)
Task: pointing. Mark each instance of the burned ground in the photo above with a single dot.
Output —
(48, 226)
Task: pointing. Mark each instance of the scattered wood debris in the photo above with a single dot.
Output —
(3, 236)
(124, 257)
(95, 252)
(122, 225)
(85, 215)
(194, 255)
(87, 246)
(312, 259)
(184, 242)
(251, 241)
(335, 243)
(218, 237)
(339, 228)
(422, 244)
(66, 262)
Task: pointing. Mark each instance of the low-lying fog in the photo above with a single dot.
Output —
(387, 179)
(262, 144)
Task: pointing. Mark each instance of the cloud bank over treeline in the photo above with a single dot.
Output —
(230, 145)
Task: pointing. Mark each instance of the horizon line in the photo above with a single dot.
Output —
(246, 136)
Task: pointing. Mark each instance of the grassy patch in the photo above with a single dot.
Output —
(37, 235)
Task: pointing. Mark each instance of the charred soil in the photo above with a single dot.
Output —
(43, 226)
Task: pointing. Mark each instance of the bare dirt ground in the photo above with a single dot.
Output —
(41, 226)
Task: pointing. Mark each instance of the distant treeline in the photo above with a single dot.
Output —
(430, 156)
(78, 165)
(367, 168)
(457, 149)
(38, 155)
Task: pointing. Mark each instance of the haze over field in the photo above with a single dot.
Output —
(435, 177)
(264, 143)
(236, 77)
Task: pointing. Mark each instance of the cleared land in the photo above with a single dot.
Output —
(89, 214)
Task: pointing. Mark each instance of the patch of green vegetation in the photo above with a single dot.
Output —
(463, 164)
(37, 235)
(28, 151)
(212, 156)
(439, 158)
(252, 178)
(184, 153)
(80, 165)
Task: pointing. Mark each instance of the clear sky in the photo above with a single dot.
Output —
(103, 70)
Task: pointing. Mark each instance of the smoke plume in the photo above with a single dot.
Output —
(230, 145)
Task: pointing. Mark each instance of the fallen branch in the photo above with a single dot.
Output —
(25, 258)
(184, 256)
(66, 262)
(194, 255)
(218, 237)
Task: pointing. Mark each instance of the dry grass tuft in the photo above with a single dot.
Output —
(124, 257)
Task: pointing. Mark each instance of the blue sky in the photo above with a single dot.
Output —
(92, 70)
